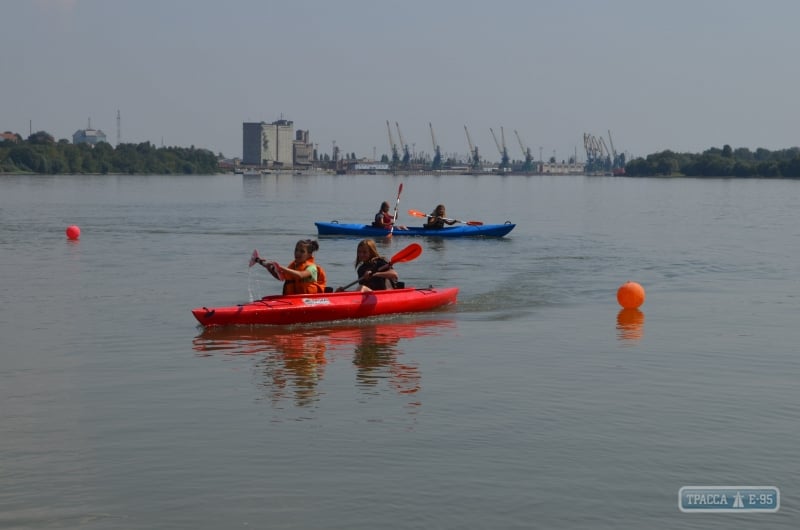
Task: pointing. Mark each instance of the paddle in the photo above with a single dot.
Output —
(410, 253)
(275, 270)
(417, 213)
(396, 204)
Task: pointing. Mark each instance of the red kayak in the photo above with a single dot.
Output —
(305, 308)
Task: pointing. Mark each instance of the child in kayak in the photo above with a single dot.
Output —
(303, 275)
(385, 220)
(375, 273)
(437, 219)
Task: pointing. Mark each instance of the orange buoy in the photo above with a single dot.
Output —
(73, 232)
(630, 295)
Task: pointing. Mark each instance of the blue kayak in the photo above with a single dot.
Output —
(335, 228)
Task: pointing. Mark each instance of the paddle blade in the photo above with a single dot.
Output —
(417, 213)
(253, 258)
(411, 252)
(475, 223)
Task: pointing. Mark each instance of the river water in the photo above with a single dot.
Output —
(535, 402)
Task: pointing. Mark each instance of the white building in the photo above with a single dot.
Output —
(268, 144)
(88, 136)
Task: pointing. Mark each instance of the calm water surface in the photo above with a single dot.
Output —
(533, 403)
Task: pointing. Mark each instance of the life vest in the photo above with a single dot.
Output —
(383, 219)
(303, 286)
(376, 284)
(437, 223)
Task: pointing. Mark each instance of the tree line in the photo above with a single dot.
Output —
(40, 153)
(715, 162)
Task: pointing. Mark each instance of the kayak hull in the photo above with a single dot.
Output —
(461, 230)
(306, 308)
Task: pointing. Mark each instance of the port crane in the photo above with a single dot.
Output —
(617, 160)
(393, 147)
(437, 152)
(611, 143)
(406, 162)
(504, 160)
(474, 157)
(527, 166)
(598, 157)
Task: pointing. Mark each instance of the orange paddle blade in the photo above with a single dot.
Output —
(411, 252)
(417, 213)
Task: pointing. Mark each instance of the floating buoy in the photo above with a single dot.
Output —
(630, 295)
(73, 232)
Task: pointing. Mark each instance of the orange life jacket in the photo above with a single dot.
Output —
(304, 286)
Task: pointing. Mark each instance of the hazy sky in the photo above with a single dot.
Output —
(684, 75)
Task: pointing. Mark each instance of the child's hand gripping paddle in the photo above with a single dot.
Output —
(272, 266)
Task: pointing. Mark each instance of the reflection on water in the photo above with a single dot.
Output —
(295, 371)
(630, 325)
(295, 357)
(376, 358)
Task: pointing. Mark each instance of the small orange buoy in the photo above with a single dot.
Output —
(630, 295)
(73, 232)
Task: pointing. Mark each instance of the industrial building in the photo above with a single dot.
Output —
(88, 136)
(275, 145)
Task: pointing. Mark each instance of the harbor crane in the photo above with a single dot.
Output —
(437, 152)
(598, 157)
(406, 154)
(474, 157)
(393, 147)
(527, 166)
(504, 160)
(617, 160)
(611, 143)
(601, 159)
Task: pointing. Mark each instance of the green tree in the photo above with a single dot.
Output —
(73, 158)
(24, 158)
(41, 138)
(727, 152)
